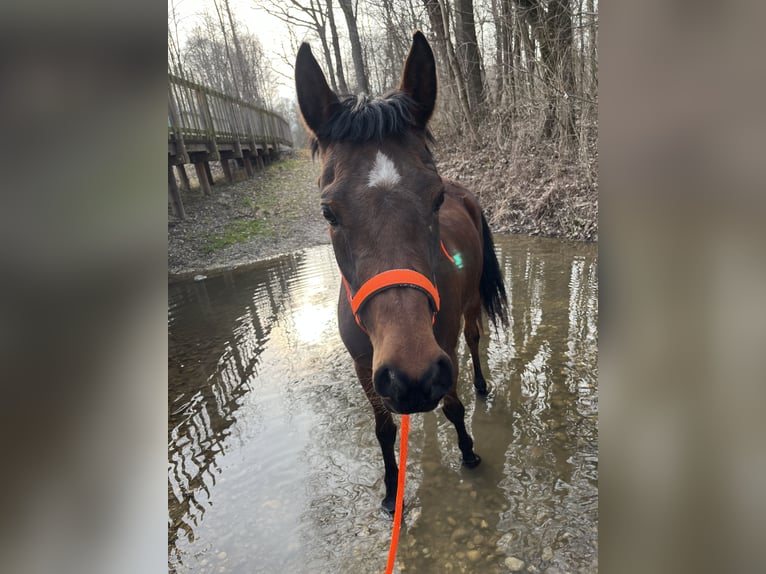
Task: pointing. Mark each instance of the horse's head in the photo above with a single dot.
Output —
(381, 194)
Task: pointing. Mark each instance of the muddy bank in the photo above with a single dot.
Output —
(528, 186)
(277, 211)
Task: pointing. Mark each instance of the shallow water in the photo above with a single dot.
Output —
(273, 461)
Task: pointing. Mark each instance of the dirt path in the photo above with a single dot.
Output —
(275, 212)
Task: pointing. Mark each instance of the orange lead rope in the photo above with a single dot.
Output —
(405, 431)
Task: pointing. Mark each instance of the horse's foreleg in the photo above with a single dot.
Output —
(472, 334)
(454, 410)
(385, 430)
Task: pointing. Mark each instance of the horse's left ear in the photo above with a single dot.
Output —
(419, 78)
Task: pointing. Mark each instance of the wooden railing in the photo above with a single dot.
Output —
(207, 125)
(198, 114)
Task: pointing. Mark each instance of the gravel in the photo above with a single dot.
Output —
(278, 207)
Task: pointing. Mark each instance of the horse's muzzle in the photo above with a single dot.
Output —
(404, 395)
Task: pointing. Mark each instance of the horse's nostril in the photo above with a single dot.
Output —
(383, 381)
(407, 395)
(438, 378)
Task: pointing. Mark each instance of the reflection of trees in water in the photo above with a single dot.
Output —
(537, 440)
(217, 330)
(550, 467)
(537, 433)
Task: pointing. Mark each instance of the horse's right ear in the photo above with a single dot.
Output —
(315, 98)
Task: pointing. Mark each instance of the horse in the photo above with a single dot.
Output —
(414, 250)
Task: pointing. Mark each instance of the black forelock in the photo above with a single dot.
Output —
(363, 119)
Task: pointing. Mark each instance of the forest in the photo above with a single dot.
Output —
(517, 113)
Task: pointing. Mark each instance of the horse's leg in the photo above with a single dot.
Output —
(472, 333)
(385, 430)
(455, 412)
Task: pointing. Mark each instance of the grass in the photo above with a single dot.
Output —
(289, 163)
(237, 232)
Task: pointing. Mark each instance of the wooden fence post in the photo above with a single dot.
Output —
(175, 126)
(227, 170)
(204, 184)
(183, 176)
(174, 195)
(246, 160)
(209, 173)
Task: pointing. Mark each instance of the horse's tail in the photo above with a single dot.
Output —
(491, 285)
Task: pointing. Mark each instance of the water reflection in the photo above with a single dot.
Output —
(217, 332)
(534, 498)
(273, 461)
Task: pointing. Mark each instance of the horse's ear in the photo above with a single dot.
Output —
(419, 78)
(315, 98)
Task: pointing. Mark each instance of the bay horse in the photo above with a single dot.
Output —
(414, 250)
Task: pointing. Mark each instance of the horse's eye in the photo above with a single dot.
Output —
(329, 215)
(439, 201)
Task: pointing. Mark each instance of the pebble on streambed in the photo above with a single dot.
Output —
(514, 564)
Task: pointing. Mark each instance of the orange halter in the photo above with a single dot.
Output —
(395, 278)
(387, 280)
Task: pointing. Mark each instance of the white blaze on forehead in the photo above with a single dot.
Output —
(383, 173)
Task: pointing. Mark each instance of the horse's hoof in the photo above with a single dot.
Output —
(482, 390)
(389, 505)
(473, 462)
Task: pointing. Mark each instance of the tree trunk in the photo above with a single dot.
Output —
(582, 81)
(592, 45)
(322, 33)
(508, 53)
(440, 24)
(448, 92)
(342, 86)
(553, 31)
(249, 89)
(528, 24)
(235, 89)
(362, 83)
(560, 32)
(396, 48)
(499, 52)
(435, 19)
(468, 49)
(456, 71)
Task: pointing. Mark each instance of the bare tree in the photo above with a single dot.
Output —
(360, 70)
(592, 29)
(336, 48)
(468, 52)
(552, 27)
(559, 31)
(438, 14)
(249, 85)
(528, 63)
(234, 88)
(207, 57)
(174, 50)
(308, 14)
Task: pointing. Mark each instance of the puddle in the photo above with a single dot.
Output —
(273, 461)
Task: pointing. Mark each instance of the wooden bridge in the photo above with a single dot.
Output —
(206, 125)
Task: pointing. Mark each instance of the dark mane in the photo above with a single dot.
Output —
(362, 119)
